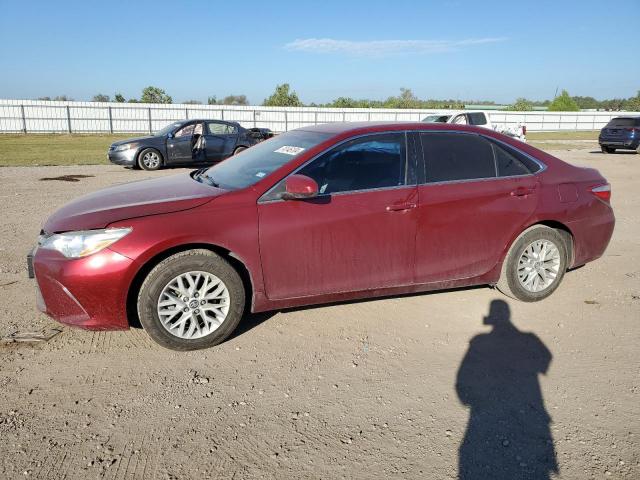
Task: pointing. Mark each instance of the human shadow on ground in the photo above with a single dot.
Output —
(508, 435)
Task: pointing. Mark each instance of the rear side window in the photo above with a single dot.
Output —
(216, 128)
(374, 161)
(455, 156)
(477, 118)
(510, 162)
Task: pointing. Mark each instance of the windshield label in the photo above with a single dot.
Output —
(289, 150)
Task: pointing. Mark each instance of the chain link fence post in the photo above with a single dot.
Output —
(110, 121)
(150, 126)
(68, 119)
(24, 120)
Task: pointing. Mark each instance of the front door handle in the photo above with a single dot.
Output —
(523, 191)
(400, 207)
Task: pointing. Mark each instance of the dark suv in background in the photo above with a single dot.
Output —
(187, 142)
(621, 133)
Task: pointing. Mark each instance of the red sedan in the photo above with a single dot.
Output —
(320, 214)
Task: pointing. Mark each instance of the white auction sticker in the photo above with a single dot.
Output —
(289, 150)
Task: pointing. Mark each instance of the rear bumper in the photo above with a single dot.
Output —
(591, 236)
(625, 143)
(88, 292)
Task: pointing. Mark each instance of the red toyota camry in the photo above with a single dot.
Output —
(320, 214)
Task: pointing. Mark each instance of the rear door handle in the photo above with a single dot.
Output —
(399, 207)
(522, 191)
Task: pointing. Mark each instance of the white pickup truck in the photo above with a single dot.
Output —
(477, 118)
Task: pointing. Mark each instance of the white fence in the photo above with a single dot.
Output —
(35, 116)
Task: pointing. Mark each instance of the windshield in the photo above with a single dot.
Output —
(255, 163)
(168, 128)
(436, 118)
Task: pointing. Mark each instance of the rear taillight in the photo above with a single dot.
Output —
(603, 192)
(631, 129)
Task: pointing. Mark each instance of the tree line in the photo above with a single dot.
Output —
(284, 96)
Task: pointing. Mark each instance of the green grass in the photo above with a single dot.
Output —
(30, 150)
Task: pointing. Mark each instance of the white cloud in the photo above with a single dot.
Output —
(378, 48)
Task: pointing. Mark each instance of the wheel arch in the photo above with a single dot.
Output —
(565, 231)
(234, 260)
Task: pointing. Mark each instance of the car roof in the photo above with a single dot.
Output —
(365, 127)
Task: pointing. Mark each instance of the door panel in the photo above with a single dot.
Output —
(464, 227)
(220, 140)
(179, 149)
(338, 243)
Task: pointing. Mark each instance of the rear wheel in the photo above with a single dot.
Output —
(238, 150)
(535, 265)
(607, 149)
(191, 300)
(150, 159)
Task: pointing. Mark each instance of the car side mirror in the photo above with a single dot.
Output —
(169, 135)
(299, 187)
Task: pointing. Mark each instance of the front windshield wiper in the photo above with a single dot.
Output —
(201, 176)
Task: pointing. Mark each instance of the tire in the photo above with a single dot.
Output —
(157, 287)
(513, 270)
(607, 149)
(238, 150)
(150, 159)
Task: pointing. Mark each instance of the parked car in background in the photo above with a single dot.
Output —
(477, 118)
(621, 133)
(320, 214)
(188, 142)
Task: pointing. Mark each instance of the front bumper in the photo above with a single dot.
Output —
(89, 292)
(125, 157)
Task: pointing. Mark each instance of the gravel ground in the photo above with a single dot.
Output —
(356, 390)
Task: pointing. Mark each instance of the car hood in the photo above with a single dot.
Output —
(132, 140)
(130, 200)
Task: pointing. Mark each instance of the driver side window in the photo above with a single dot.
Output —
(370, 162)
(185, 131)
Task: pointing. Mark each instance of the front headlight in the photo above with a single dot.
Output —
(123, 147)
(81, 244)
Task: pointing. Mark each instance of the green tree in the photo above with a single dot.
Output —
(100, 98)
(235, 100)
(632, 104)
(155, 95)
(212, 100)
(62, 98)
(282, 97)
(563, 103)
(192, 102)
(587, 102)
(521, 105)
(45, 98)
(118, 97)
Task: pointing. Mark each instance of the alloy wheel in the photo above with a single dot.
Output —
(193, 305)
(151, 160)
(538, 266)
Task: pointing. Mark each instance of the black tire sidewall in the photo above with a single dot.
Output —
(163, 273)
(143, 153)
(238, 150)
(538, 233)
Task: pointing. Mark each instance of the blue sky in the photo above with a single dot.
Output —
(364, 49)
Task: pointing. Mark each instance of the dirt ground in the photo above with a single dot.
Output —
(356, 390)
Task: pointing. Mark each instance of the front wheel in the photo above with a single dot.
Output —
(191, 300)
(149, 159)
(607, 149)
(535, 265)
